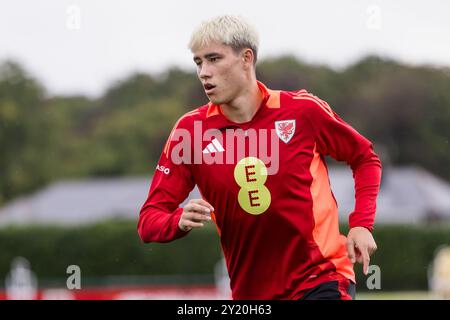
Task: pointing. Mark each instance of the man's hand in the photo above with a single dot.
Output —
(194, 213)
(360, 246)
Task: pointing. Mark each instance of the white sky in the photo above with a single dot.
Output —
(84, 53)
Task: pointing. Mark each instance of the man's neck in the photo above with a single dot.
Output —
(244, 107)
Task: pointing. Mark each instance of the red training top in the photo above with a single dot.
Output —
(268, 183)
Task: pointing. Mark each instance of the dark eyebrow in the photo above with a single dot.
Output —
(213, 54)
(207, 56)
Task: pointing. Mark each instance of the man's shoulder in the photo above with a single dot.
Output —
(187, 120)
(304, 101)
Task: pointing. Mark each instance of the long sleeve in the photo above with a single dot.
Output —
(336, 138)
(160, 214)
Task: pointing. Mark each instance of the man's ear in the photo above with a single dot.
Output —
(248, 57)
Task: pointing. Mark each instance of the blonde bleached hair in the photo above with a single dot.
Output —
(233, 31)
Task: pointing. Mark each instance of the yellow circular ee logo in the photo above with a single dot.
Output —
(251, 174)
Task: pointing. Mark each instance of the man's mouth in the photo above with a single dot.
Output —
(208, 88)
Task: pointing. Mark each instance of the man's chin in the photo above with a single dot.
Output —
(215, 100)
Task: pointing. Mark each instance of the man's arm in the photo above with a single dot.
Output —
(336, 138)
(160, 219)
(160, 214)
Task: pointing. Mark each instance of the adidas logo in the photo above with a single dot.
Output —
(214, 146)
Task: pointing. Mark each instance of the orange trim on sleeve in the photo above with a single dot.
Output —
(320, 103)
(326, 234)
(213, 215)
(167, 146)
(169, 140)
(213, 218)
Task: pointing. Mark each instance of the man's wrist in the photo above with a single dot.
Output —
(369, 228)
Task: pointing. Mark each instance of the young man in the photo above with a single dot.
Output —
(276, 215)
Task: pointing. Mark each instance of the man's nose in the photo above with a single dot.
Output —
(204, 72)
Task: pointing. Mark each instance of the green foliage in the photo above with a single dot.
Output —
(25, 133)
(404, 110)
